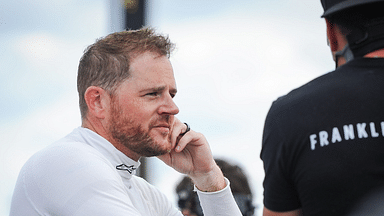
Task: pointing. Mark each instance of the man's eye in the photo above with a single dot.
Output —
(152, 94)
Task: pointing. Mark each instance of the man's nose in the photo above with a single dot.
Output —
(168, 107)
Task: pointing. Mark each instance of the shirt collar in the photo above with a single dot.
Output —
(125, 166)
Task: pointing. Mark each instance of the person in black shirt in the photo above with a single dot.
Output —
(323, 143)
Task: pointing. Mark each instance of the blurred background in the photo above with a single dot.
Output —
(233, 59)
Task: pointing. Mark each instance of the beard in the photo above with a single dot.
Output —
(131, 134)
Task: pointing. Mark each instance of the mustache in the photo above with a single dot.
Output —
(161, 120)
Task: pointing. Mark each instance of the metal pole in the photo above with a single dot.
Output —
(134, 14)
(134, 11)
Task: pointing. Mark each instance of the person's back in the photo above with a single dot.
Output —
(323, 142)
(331, 148)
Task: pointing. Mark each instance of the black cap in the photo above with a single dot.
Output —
(334, 6)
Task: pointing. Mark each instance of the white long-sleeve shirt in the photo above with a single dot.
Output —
(84, 174)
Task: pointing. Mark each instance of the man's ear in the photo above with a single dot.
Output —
(331, 34)
(97, 100)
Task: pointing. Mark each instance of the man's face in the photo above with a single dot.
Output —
(142, 109)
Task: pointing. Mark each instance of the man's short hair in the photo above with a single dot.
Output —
(106, 63)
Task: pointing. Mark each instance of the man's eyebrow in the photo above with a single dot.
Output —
(159, 88)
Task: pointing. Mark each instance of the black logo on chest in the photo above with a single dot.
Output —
(129, 169)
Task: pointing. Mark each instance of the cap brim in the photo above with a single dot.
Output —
(347, 4)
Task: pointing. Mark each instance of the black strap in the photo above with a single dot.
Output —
(367, 39)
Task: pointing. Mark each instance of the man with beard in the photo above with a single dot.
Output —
(126, 88)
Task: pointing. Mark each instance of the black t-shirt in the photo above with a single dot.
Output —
(323, 143)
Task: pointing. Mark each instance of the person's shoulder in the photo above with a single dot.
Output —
(308, 90)
(66, 150)
(65, 159)
(64, 171)
(343, 77)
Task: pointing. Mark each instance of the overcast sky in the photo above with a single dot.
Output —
(233, 59)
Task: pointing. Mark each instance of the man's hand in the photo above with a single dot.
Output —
(191, 155)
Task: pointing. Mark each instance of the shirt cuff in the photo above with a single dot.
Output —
(221, 203)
